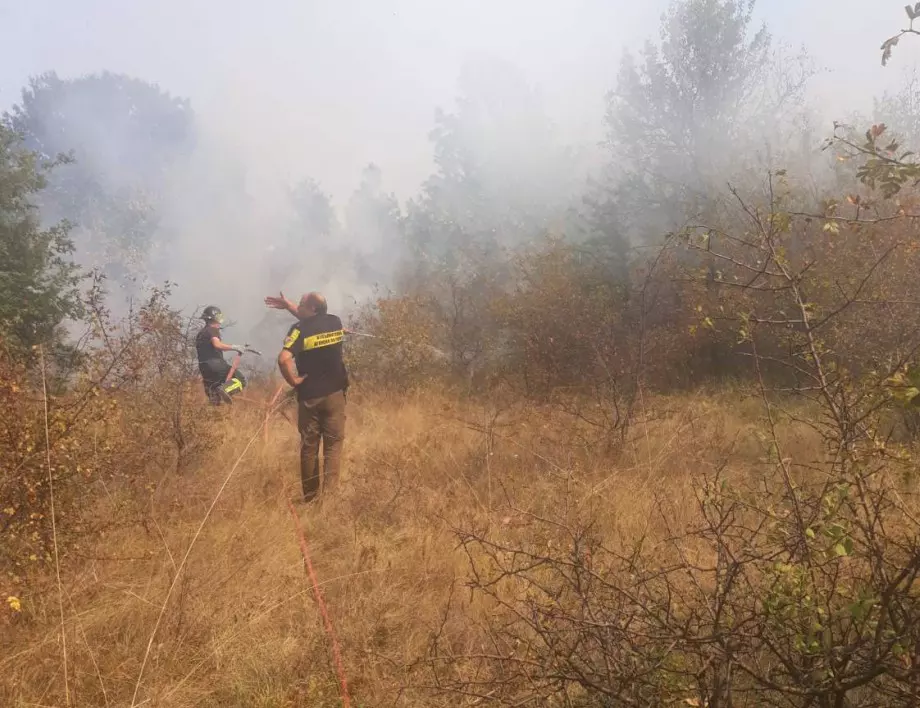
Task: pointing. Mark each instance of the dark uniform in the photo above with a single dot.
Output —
(214, 368)
(316, 344)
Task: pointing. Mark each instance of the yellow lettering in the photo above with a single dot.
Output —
(326, 339)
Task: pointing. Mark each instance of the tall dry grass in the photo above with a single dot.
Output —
(241, 627)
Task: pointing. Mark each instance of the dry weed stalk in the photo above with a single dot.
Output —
(57, 562)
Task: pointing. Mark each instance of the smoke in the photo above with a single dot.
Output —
(237, 236)
(282, 92)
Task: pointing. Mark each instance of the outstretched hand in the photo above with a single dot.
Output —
(278, 302)
(281, 303)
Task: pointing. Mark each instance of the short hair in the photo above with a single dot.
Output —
(316, 302)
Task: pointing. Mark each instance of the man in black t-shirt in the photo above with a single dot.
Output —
(211, 362)
(311, 362)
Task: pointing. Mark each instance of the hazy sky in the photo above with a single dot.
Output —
(321, 88)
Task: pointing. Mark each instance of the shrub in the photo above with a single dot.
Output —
(126, 412)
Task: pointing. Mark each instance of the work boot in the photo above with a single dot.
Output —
(303, 502)
(226, 391)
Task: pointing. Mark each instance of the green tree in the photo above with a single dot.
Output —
(38, 279)
(126, 137)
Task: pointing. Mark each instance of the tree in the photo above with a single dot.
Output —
(126, 137)
(502, 175)
(38, 279)
(313, 229)
(374, 223)
(314, 226)
(711, 89)
(315, 215)
(503, 178)
(900, 111)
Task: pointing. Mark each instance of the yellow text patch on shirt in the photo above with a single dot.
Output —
(326, 339)
(291, 338)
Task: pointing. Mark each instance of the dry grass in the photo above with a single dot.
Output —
(241, 627)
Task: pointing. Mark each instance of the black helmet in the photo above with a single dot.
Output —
(212, 313)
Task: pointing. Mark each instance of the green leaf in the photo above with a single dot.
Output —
(861, 609)
(840, 550)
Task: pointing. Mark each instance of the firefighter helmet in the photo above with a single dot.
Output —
(212, 313)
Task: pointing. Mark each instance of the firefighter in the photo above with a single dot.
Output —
(311, 362)
(214, 369)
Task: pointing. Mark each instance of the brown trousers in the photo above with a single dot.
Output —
(320, 419)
